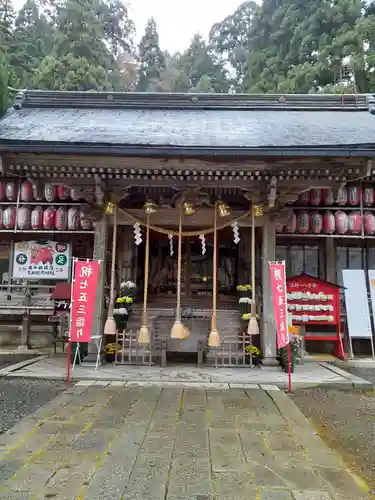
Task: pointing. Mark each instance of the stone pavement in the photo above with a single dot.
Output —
(114, 442)
(309, 374)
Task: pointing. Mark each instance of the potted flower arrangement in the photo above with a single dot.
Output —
(110, 351)
(282, 354)
(255, 355)
(243, 290)
(123, 304)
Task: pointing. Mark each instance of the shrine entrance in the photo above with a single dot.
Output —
(197, 269)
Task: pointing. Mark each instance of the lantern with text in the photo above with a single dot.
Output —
(312, 301)
(84, 289)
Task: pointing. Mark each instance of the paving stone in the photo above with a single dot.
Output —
(267, 387)
(262, 402)
(15, 495)
(195, 397)
(117, 383)
(265, 494)
(291, 477)
(8, 468)
(243, 386)
(190, 479)
(102, 383)
(340, 480)
(226, 451)
(281, 441)
(234, 486)
(31, 477)
(84, 383)
(94, 440)
(311, 495)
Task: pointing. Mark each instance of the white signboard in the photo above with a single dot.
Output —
(356, 302)
(47, 260)
(371, 280)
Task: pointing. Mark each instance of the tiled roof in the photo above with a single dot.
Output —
(180, 121)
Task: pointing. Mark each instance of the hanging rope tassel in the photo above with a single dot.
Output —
(214, 338)
(253, 328)
(144, 334)
(110, 324)
(178, 330)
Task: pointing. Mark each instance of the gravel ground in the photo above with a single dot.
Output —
(345, 420)
(20, 397)
(12, 359)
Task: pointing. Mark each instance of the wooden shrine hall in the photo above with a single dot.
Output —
(222, 171)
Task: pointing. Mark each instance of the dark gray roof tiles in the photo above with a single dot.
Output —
(58, 117)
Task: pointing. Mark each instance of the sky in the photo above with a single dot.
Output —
(177, 20)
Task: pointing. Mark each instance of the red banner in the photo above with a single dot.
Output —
(278, 289)
(85, 280)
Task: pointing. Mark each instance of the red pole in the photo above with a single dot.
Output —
(69, 362)
(289, 368)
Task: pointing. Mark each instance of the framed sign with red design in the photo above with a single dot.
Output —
(312, 301)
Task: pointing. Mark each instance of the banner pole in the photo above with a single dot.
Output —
(69, 350)
(289, 368)
(69, 354)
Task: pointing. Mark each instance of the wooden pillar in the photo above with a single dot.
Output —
(330, 260)
(268, 337)
(99, 253)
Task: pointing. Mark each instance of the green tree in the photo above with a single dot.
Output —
(6, 25)
(201, 68)
(151, 58)
(4, 98)
(32, 41)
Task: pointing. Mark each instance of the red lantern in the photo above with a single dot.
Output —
(2, 191)
(341, 222)
(316, 222)
(303, 222)
(63, 193)
(354, 195)
(38, 191)
(328, 222)
(291, 225)
(354, 223)
(369, 222)
(85, 224)
(304, 198)
(1, 218)
(9, 218)
(73, 219)
(315, 197)
(24, 218)
(26, 191)
(368, 196)
(328, 197)
(342, 196)
(49, 218)
(11, 191)
(37, 218)
(61, 221)
(50, 192)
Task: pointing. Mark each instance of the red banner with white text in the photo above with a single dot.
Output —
(84, 289)
(278, 290)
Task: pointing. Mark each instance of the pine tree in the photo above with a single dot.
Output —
(151, 58)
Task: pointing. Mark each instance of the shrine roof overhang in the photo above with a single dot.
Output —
(188, 126)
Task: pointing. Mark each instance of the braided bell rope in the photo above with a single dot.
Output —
(214, 270)
(113, 263)
(162, 230)
(147, 253)
(253, 255)
(179, 266)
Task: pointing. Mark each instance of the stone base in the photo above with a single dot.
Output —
(270, 362)
(23, 348)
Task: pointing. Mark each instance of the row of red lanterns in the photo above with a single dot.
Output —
(61, 219)
(350, 196)
(34, 192)
(339, 222)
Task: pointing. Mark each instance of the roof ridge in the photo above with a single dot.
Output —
(122, 100)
